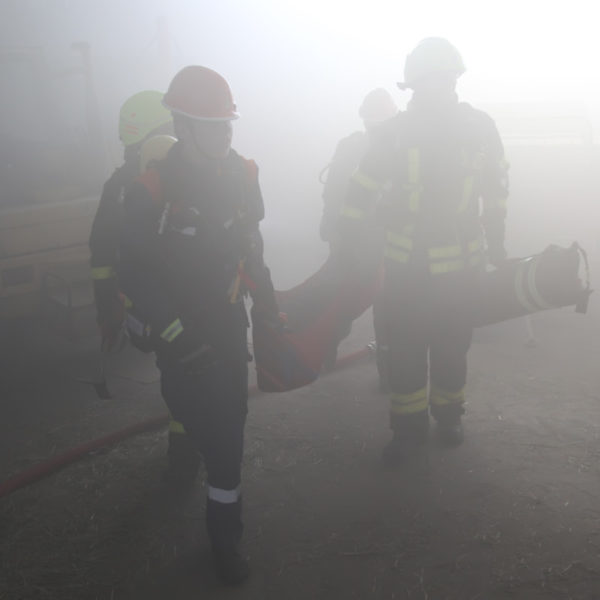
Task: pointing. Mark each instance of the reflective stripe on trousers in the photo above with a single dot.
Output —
(224, 496)
(176, 427)
(99, 273)
(441, 397)
(408, 404)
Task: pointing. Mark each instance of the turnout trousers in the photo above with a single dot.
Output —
(212, 407)
(428, 324)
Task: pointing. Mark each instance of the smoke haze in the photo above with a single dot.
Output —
(299, 70)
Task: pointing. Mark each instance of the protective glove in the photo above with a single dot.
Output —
(272, 319)
(278, 322)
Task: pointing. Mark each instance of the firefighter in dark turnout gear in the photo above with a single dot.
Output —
(377, 106)
(141, 118)
(191, 248)
(438, 178)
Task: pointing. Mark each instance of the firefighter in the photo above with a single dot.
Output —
(377, 107)
(437, 180)
(141, 118)
(191, 248)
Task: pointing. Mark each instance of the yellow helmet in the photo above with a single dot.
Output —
(141, 114)
(155, 148)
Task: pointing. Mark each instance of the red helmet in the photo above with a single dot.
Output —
(200, 93)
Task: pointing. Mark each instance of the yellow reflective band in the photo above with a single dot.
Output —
(406, 404)
(476, 260)
(440, 397)
(172, 331)
(474, 245)
(351, 212)
(447, 266)
(397, 239)
(176, 427)
(128, 302)
(467, 193)
(520, 289)
(366, 181)
(234, 288)
(396, 254)
(99, 273)
(414, 167)
(444, 252)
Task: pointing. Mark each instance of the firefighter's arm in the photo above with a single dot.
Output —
(494, 194)
(363, 192)
(103, 237)
(103, 245)
(103, 257)
(259, 281)
(346, 158)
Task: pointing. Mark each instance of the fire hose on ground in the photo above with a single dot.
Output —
(47, 467)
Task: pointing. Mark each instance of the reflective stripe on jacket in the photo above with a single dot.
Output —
(437, 183)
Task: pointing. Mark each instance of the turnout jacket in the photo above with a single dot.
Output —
(436, 180)
(191, 248)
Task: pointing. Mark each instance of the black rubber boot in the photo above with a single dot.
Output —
(410, 438)
(184, 461)
(224, 525)
(231, 567)
(449, 427)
